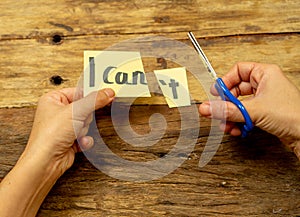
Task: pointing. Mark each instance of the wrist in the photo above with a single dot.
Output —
(40, 164)
(50, 155)
(23, 190)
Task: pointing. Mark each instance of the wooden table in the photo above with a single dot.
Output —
(41, 49)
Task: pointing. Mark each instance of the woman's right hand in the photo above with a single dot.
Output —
(273, 107)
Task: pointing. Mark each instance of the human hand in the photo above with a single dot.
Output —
(51, 149)
(274, 105)
(59, 120)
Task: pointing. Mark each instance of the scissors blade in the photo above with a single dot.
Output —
(204, 59)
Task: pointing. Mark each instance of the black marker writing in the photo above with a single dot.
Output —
(105, 74)
(92, 71)
(123, 77)
(173, 84)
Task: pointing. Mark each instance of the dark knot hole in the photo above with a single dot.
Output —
(56, 80)
(56, 39)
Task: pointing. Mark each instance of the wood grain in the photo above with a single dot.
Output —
(256, 176)
(206, 18)
(23, 80)
(253, 177)
(41, 40)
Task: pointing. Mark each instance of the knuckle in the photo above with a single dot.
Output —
(102, 98)
(276, 68)
(48, 96)
(229, 111)
(43, 99)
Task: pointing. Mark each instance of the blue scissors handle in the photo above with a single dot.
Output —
(225, 94)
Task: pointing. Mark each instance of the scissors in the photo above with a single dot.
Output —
(223, 91)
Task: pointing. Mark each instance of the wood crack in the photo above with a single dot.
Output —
(46, 36)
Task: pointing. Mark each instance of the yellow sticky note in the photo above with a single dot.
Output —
(122, 71)
(174, 85)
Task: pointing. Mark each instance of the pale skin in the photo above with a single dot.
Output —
(273, 105)
(51, 148)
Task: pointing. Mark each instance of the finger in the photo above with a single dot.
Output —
(244, 88)
(235, 131)
(85, 143)
(68, 93)
(227, 126)
(242, 78)
(204, 109)
(89, 120)
(83, 131)
(222, 110)
(95, 100)
(249, 72)
(238, 73)
(230, 127)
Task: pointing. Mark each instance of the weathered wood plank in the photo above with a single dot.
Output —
(253, 177)
(28, 65)
(176, 17)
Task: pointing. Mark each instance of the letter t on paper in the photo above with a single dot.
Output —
(174, 85)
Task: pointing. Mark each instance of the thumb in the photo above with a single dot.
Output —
(223, 110)
(95, 100)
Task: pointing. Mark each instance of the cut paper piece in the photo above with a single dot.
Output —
(120, 70)
(174, 85)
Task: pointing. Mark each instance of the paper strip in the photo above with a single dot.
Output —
(174, 85)
(120, 70)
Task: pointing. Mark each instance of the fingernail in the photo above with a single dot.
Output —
(90, 143)
(205, 109)
(86, 143)
(109, 92)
